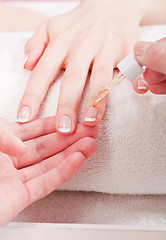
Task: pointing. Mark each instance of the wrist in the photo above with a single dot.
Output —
(131, 10)
(142, 12)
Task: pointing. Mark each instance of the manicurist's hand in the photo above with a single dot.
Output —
(153, 56)
(96, 35)
(51, 159)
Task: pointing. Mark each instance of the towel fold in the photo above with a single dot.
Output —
(131, 156)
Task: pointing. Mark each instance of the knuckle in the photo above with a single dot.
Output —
(62, 177)
(40, 149)
(44, 167)
(82, 35)
(103, 70)
(44, 126)
(67, 106)
(58, 39)
(71, 74)
(22, 131)
(43, 186)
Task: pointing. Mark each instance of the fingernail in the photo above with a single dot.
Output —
(142, 47)
(23, 115)
(141, 84)
(65, 124)
(91, 115)
(25, 59)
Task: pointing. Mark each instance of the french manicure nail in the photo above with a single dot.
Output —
(65, 124)
(141, 84)
(142, 47)
(91, 115)
(23, 115)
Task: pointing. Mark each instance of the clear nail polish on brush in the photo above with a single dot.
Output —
(129, 68)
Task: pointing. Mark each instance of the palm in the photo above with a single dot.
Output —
(51, 159)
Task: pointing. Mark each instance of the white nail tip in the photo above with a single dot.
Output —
(64, 130)
(90, 119)
(24, 113)
(20, 120)
(25, 59)
(142, 87)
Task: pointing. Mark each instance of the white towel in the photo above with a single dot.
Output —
(124, 211)
(131, 156)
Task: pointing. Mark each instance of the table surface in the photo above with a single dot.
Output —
(47, 231)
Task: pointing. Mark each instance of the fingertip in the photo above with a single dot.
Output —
(71, 165)
(140, 86)
(90, 116)
(65, 124)
(93, 114)
(24, 114)
(25, 60)
(92, 131)
(88, 147)
(29, 105)
(33, 57)
(78, 156)
(141, 47)
(27, 63)
(33, 54)
(89, 122)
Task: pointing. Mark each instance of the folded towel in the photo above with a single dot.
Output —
(126, 211)
(131, 156)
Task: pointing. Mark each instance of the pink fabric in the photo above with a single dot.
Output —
(35, 0)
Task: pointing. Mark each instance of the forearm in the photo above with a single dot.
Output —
(19, 19)
(144, 12)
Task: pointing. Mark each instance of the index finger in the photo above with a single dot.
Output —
(43, 75)
(35, 128)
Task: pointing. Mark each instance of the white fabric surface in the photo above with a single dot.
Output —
(131, 156)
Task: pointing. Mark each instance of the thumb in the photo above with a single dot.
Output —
(152, 55)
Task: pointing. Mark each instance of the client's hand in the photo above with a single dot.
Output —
(51, 159)
(96, 35)
(153, 56)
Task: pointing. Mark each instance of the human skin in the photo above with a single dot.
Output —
(50, 160)
(96, 35)
(19, 19)
(153, 56)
